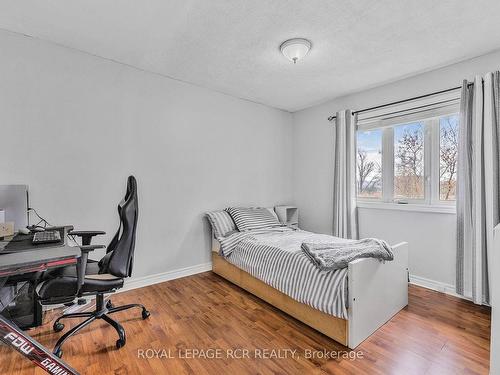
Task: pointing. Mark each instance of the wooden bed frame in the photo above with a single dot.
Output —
(376, 292)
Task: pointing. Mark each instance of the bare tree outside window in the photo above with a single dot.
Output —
(448, 151)
(369, 175)
(369, 164)
(409, 161)
(410, 157)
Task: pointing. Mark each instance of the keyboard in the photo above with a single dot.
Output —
(49, 236)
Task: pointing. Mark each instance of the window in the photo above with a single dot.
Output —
(410, 159)
(448, 151)
(369, 164)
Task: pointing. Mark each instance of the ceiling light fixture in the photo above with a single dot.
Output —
(295, 49)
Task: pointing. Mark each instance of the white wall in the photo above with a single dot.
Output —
(73, 126)
(431, 236)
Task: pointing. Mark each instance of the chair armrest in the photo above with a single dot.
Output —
(81, 265)
(86, 235)
(89, 248)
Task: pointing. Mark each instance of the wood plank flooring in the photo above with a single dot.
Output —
(435, 334)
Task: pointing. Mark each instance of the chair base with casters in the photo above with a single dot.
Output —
(102, 311)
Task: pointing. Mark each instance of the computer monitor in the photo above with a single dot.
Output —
(14, 201)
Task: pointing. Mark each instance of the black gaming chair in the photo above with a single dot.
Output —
(89, 277)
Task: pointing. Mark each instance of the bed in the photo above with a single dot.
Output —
(347, 305)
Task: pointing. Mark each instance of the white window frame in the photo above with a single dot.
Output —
(431, 202)
(387, 165)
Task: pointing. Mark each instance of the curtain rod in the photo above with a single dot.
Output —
(402, 101)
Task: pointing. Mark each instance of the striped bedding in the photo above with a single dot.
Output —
(221, 222)
(274, 256)
(249, 218)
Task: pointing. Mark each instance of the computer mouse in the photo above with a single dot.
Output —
(24, 231)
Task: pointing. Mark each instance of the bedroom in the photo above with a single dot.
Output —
(198, 102)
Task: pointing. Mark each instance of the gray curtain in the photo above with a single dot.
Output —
(345, 222)
(478, 185)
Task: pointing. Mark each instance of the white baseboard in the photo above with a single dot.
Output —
(435, 285)
(139, 282)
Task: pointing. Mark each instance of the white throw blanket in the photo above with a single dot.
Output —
(334, 255)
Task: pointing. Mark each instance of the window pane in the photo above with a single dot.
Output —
(409, 161)
(448, 149)
(369, 164)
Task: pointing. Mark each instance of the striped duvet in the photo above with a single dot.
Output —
(274, 256)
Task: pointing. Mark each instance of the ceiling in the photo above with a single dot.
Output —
(232, 46)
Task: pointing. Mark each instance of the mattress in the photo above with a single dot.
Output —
(274, 256)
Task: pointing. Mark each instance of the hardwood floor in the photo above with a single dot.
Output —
(435, 334)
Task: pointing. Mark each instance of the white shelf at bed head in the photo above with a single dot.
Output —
(288, 215)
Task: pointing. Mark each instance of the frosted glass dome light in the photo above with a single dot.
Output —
(295, 49)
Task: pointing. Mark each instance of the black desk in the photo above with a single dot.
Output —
(26, 261)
